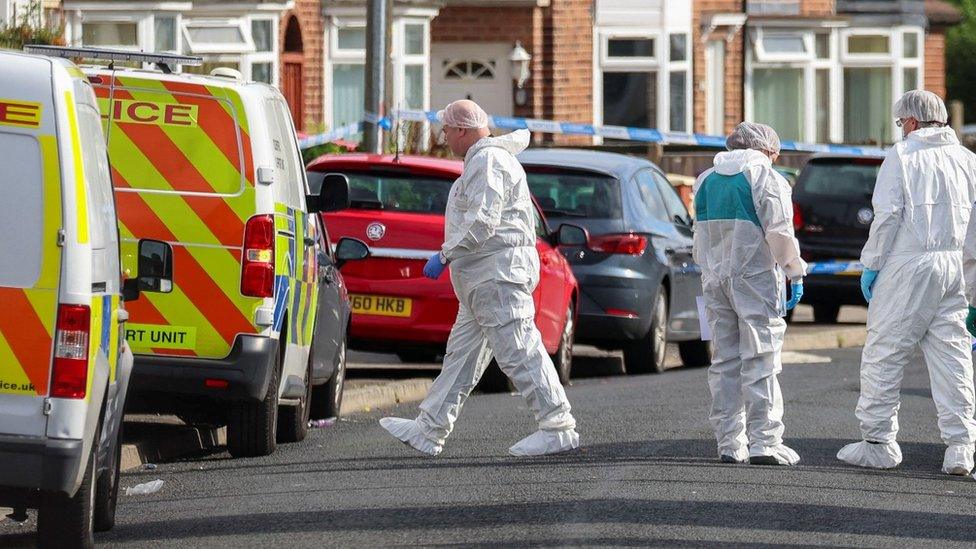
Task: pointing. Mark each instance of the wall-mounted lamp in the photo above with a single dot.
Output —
(519, 59)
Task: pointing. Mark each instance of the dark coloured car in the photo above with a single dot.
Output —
(832, 216)
(637, 279)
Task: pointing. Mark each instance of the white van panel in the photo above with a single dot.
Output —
(21, 210)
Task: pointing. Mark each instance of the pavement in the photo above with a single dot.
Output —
(647, 475)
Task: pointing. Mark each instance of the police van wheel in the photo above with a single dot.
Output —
(107, 489)
(64, 521)
(251, 429)
(293, 420)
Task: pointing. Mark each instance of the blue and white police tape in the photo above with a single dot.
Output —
(843, 268)
(646, 135)
(328, 137)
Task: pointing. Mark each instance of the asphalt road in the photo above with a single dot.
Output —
(646, 476)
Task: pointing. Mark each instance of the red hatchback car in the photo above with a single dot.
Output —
(397, 208)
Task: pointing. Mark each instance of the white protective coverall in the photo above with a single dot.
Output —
(743, 242)
(922, 201)
(489, 241)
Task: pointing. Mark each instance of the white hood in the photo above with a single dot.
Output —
(514, 143)
(738, 161)
(931, 137)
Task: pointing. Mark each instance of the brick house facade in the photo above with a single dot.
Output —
(305, 18)
(558, 35)
(818, 70)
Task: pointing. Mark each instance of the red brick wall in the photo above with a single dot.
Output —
(310, 18)
(733, 63)
(568, 65)
(935, 80)
(817, 8)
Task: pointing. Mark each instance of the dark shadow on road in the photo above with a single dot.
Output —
(752, 515)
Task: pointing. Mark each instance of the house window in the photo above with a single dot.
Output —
(351, 38)
(822, 44)
(910, 45)
(630, 99)
(413, 86)
(783, 44)
(217, 36)
(261, 34)
(413, 37)
(348, 91)
(261, 72)
(909, 79)
(778, 100)
(679, 47)
(823, 105)
(679, 101)
(868, 44)
(110, 34)
(164, 33)
(867, 105)
(630, 47)
(469, 70)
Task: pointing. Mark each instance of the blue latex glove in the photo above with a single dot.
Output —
(796, 292)
(434, 267)
(971, 321)
(868, 276)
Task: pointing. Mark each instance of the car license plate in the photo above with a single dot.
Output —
(380, 305)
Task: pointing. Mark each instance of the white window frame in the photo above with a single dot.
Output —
(809, 63)
(660, 64)
(894, 60)
(809, 44)
(652, 62)
(178, 29)
(241, 23)
(348, 54)
(143, 21)
(272, 56)
(401, 60)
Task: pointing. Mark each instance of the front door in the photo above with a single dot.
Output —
(292, 86)
(479, 72)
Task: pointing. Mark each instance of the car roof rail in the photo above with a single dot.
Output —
(162, 60)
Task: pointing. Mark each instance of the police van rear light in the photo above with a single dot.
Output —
(70, 376)
(257, 268)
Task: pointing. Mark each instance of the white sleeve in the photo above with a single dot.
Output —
(969, 245)
(484, 189)
(774, 206)
(888, 202)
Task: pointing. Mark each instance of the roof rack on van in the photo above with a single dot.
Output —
(162, 60)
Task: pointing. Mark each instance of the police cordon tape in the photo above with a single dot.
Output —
(646, 135)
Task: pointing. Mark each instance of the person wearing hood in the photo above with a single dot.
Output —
(914, 282)
(489, 242)
(744, 242)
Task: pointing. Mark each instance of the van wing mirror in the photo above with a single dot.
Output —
(571, 235)
(155, 272)
(333, 196)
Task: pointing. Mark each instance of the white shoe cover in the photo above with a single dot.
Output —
(783, 454)
(740, 454)
(408, 432)
(883, 455)
(542, 442)
(958, 459)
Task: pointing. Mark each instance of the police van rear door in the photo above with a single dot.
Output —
(30, 259)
